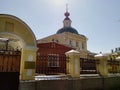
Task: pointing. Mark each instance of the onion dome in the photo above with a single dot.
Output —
(67, 29)
(67, 14)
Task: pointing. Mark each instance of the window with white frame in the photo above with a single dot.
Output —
(53, 60)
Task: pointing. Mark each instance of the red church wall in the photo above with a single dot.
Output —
(51, 58)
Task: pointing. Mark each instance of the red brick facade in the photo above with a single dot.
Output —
(51, 58)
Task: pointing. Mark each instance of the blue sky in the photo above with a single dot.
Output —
(98, 20)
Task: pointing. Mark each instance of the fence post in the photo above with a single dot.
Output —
(74, 63)
(102, 66)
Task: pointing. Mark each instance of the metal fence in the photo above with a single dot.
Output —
(55, 63)
(113, 66)
(88, 66)
(50, 64)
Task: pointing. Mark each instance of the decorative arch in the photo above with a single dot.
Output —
(12, 24)
(20, 35)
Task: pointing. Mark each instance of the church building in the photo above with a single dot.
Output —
(68, 36)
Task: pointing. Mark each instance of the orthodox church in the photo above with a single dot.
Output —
(68, 36)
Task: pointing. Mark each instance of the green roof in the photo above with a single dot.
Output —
(67, 29)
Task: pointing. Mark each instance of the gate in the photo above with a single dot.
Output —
(10, 61)
(9, 69)
(9, 80)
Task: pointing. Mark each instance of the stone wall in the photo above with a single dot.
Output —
(94, 83)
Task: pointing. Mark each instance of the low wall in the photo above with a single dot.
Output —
(88, 83)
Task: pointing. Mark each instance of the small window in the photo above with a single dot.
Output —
(70, 42)
(52, 40)
(82, 45)
(76, 44)
(53, 60)
(57, 41)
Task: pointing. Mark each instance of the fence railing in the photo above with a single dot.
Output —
(55, 64)
(88, 66)
(113, 66)
(50, 64)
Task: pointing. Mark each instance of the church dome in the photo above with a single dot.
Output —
(67, 29)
